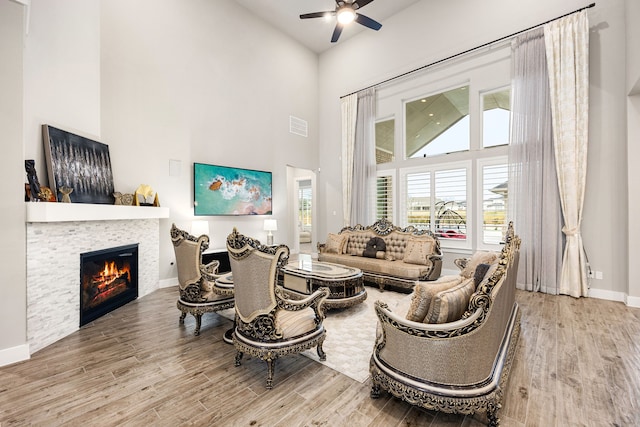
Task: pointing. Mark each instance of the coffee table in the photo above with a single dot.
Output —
(303, 277)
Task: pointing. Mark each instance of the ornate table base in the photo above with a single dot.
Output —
(305, 276)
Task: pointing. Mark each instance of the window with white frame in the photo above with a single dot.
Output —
(493, 179)
(436, 199)
(451, 168)
(384, 196)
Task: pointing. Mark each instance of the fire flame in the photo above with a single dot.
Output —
(110, 273)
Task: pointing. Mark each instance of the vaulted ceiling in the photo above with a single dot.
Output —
(316, 33)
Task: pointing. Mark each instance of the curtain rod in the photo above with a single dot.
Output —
(470, 50)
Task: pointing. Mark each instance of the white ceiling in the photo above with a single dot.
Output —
(316, 33)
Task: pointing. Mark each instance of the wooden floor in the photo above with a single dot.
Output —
(577, 363)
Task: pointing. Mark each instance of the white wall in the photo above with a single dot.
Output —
(633, 137)
(430, 31)
(202, 81)
(13, 309)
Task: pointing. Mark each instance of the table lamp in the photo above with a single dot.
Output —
(270, 225)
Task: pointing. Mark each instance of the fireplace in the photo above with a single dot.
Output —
(108, 280)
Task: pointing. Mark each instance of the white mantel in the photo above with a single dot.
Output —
(61, 212)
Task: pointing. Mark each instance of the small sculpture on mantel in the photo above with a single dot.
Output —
(65, 194)
(123, 199)
(32, 178)
(145, 196)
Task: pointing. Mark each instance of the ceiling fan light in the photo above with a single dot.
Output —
(346, 15)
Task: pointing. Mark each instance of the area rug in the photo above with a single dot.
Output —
(351, 334)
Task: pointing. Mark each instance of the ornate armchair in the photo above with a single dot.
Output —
(460, 365)
(268, 325)
(196, 281)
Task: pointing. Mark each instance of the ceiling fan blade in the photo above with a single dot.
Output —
(361, 3)
(368, 22)
(336, 33)
(317, 14)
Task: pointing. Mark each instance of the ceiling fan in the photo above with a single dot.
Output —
(346, 13)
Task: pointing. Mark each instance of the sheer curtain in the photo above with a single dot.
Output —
(364, 167)
(349, 108)
(567, 46)
(534, 201)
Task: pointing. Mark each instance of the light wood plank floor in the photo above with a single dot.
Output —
(577, 364)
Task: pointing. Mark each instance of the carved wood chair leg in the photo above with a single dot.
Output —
(270, 364)
(182, 316)
(198, 324)
(492, 416)
(321, 354)
(238, 358)
(375, 391)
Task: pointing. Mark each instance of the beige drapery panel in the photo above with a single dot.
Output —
(349, 108)
(567, 46)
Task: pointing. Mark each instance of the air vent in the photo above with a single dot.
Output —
(298, 126)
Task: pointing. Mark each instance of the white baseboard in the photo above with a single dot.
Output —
(629, 301)
(632, 301)
(14, 354)
(608, 295)
(167, 283)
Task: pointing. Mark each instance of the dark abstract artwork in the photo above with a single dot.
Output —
(80, 164)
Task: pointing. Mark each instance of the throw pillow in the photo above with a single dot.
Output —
(449, 305)
(335, 243)
(480, 257)
(481, 271)
(417, 251)
(423, 293)
(374, 245)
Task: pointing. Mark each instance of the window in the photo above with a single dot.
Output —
(385, 137)
(418, 199)
(452, 173)
(451, 204)
(438, 124)
(496, 117)
(494, 202)
(384, 197)
(304, 205)
(442, 192)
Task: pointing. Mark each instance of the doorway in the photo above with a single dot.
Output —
(302, 214)
(305, 215)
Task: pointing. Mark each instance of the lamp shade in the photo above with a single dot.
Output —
(198, 228)
(270, 225)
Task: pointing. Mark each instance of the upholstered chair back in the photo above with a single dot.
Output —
(255, 270)
(188, 260)
(188, 251)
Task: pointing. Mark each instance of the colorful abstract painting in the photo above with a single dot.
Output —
(222, 190)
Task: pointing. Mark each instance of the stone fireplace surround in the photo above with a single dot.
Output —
(57, 233)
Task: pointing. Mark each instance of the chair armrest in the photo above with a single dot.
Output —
(315, 301)
(321, 247)
(209, 271)
(461, 263)
(434, 330)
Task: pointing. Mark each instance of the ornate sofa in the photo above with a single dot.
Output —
(461, 364)
(388, 256)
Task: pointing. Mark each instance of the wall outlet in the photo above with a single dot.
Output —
(598, 275)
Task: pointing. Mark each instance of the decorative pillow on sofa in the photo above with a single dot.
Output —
(480, 257)
(423, 293)
(375, 245)
(450, 305)
(417, 251)
(336, 243)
